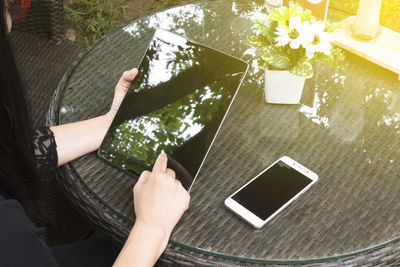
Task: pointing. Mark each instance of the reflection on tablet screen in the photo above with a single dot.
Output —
(175, 104)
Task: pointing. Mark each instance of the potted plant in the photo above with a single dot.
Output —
(288, 41)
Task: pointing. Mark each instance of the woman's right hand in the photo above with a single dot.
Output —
(160, 201)
(159, 198)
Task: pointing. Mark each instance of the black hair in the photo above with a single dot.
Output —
(19, 176)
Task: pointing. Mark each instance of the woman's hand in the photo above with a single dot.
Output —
(120, 91)
(78, 138)
(160, 199)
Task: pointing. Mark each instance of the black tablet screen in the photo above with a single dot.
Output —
(175, 104)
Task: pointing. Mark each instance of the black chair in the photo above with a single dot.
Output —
(43, 54)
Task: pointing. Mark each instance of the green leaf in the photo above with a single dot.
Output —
(259, 40)
(332, 26)
(275, 57)
(282, 15)
(334, 59)
(302, 68)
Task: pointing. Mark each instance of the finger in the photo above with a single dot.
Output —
(161, 163)
(143, 177)
(122, 88)
(179, 184)
(171, 172)
(130, 74)
(127, 77)
(119, 95)
(187, 199)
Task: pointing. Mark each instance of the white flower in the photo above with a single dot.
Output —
(320, 41)
(282, 38)
(295, 35)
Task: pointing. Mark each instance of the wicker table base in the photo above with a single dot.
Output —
(344, 129)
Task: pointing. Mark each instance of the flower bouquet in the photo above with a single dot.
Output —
(289, 40)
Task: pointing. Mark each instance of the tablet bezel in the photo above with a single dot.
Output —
(222, 120)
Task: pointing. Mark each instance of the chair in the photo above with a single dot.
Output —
(43, 55)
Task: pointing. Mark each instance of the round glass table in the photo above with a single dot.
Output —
(346, 129)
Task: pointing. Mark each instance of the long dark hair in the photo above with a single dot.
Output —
(18, 174)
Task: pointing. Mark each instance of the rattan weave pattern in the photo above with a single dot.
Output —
(45, 17)
(41, 63)
(41, 80)
(345, 129)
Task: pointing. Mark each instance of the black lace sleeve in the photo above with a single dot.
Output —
(45, 149)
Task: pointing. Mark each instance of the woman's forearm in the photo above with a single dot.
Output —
(143, 247)
(78, 138)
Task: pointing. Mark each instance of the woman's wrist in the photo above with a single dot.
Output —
(145, 244)
(153, 231)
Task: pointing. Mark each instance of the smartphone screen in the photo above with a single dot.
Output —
(271, 190)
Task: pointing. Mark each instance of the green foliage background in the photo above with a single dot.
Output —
(94, 18)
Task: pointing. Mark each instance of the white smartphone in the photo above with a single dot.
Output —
(267, 194)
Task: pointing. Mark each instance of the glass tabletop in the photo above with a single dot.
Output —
(346, 129)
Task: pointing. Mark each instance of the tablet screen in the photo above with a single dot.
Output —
(175, 105)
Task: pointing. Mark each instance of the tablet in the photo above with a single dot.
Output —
(175, 105)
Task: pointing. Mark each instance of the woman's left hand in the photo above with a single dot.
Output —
(120, 90)
(78, 138)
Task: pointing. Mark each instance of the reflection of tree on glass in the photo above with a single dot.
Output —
(175, 105)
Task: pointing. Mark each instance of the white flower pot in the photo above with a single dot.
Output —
(283, 87)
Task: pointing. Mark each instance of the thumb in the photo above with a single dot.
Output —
(121, 88)
(127, 78)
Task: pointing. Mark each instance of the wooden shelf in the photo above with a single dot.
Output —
(383, 51)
